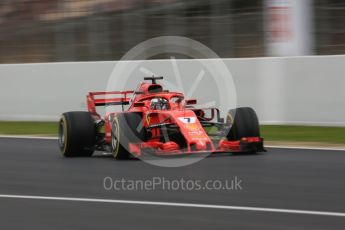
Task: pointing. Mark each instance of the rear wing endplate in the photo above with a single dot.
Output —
(95, 99)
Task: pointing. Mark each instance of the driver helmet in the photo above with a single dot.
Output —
(159, 104)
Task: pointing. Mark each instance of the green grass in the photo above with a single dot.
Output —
(326, 135)
(281, 133)
(28, 128)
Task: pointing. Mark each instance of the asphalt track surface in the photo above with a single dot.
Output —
(294, 179)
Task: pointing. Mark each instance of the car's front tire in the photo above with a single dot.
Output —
(244, 123)
(126, 129)
(77, 134)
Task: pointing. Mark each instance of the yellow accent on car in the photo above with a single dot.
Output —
(148, 119)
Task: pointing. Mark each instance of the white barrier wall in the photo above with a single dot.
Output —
(295, 90)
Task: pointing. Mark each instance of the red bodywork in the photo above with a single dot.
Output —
(179, 113)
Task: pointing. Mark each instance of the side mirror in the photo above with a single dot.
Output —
(139, 104)
(191, 102)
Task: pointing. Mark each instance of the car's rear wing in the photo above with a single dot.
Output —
(107, 98)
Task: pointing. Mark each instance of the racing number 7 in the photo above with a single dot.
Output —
(187, 119)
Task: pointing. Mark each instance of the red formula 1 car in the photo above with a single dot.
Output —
(157, 122)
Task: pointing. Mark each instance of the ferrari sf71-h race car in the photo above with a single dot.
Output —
(156, 122)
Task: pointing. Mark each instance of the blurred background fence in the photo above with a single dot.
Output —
(91, 30)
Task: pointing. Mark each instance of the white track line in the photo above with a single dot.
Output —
(173, 204)
(268, 146)
(28, 137)
(304, 147)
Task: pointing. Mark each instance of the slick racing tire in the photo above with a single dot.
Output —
(244, 123)
(77, 134)
(126, 129)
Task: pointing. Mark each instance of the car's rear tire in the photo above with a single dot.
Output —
(244, 123)
(126, 129)
(77, 134)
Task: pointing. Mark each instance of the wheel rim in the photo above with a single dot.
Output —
(61, 135)
(114, 137)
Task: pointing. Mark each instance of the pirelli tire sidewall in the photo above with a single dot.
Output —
(126, 129)
(77, 134)
(118, 151)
